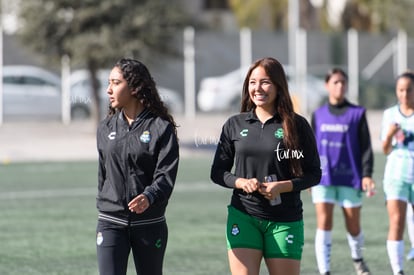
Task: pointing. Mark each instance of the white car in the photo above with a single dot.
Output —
(172, 99)
(30, 92)
(81, 95)
(81, 100)
(223, 93)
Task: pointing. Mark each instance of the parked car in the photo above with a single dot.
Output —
(30, 92)
(172, 99)
(82, 100)
(222, 93)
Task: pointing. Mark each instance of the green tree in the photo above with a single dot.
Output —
(96, 33)
(257, 14)
(272, 14)
(363, 15)
(371, 15)
(378, 15)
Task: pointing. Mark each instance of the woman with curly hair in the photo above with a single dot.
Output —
(138, 161)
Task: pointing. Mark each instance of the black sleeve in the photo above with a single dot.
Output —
(224, 160)
(313, 122)
(310, 162)
(166, 168)
(101, 160)
(367, 155)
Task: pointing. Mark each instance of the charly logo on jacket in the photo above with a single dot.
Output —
(145, 137)
(244, 132)
(112, 135)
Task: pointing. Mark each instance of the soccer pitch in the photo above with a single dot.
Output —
(48, 219)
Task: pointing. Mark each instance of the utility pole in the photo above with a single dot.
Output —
(293, 14)
(245, 47)
(189, 73)
(1, 63)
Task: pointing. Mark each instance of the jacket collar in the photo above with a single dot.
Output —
(141, 115)
(251, 116)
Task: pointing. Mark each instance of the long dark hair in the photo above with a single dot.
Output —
(138, 77)
(283, 105)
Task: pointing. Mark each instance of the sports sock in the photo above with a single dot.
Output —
(356, 244)
(395, 251)
(323, 243)
(410, 224)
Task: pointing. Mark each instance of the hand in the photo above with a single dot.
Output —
(393, 129)
(368, 185)
(138, 204)
(269, 190)
(248, 185)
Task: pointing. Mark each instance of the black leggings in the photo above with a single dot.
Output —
(114, 242)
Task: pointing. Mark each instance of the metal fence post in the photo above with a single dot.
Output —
(353, 67)
(189, 73)
(65, 86)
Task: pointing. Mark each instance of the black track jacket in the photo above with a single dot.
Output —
(257, 150)
(141, 158)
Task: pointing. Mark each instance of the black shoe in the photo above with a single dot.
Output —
(361, 267)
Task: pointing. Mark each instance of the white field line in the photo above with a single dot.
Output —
(87, 192)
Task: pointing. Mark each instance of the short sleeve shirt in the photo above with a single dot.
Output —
(400, 162)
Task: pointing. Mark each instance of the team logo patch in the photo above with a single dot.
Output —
(279, 133)
(145, 137)
(244, 132)
(99, 238)
(158, 243)
(112, 135)
(235, 230)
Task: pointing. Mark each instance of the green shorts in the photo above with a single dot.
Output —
(274, 239)
(344, 196)
(399, 190)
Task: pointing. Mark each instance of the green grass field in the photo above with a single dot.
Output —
(48, 219)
